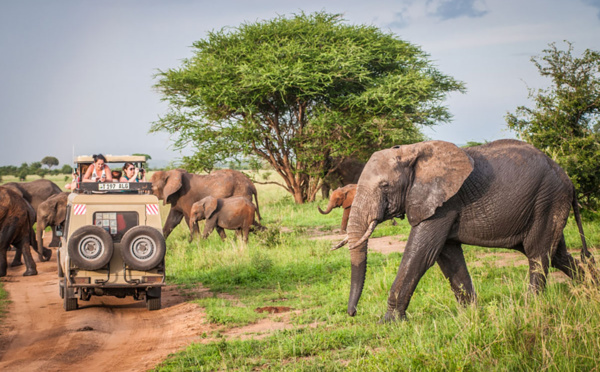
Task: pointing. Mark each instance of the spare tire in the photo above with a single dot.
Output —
(90, 247)
(143, 248)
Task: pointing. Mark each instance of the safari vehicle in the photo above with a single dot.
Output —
(112, 242)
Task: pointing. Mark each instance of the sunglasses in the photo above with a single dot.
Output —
(130, 168)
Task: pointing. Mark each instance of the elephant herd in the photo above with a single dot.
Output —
(504, 194)
(22, 205)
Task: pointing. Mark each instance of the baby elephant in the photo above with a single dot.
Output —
(235, 213)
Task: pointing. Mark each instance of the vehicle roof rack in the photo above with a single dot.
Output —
(112, 159)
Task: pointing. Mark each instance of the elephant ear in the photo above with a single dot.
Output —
(210, 206)
(172, 185)
(349, 197)
(61, 208)
(440, 169)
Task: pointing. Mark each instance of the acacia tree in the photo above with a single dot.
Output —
(565, 120)
(298, 92)
(49, 161)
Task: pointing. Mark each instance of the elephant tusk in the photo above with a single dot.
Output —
(365, 236)
(340, 244)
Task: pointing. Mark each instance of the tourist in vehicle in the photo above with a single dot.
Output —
(73, 184)
(98, 171)
(116, 174)
(132, 174)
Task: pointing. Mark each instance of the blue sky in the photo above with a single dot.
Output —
(79, 75)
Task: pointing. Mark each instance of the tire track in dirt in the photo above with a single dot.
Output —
(105, 333)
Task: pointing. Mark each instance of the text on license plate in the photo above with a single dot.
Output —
(113, 186)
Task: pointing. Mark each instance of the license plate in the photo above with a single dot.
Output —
(107, 186)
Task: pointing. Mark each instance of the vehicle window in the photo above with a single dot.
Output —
(116, 223)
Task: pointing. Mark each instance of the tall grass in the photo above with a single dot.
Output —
(508, 328)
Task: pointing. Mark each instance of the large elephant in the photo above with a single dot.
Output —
(341, 197)
(35, 193)
(51, 212)
(15, 229)
(347, 172)
(182, 189)
(504, 194)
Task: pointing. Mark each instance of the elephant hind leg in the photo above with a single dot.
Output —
(542, 242)
(538, 273)
(452, 263)
(569, 265)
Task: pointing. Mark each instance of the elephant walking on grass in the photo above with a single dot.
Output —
(16, 229)
(341, 197)
(235, 213)
(504, 194)
(182, 189)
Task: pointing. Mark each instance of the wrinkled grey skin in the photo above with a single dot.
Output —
(15, 229)
(504, 194)
(235, 213)
(51, 212)
(35, 193)
(182, 189)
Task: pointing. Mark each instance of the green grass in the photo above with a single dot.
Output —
(508, 329)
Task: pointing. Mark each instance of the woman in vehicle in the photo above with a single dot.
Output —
(132, 174)
(98, 171)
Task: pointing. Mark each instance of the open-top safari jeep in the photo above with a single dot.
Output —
(112, 243)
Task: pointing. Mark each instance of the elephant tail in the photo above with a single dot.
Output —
(585, 253)
(256, 202)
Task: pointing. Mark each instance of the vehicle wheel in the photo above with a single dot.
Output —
(153, 299)
(143, 248)
(70, 304)
(61, 274)
(90, 247)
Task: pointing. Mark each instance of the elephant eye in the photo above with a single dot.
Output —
(384, 184)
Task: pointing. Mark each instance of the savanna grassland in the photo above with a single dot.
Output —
(507, 329)
(285, 267)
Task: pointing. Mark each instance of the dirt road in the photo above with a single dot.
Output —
(104, 334)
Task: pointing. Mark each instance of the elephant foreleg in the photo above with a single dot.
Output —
(173, 219)
(424, 245)
(452, 262)
(209, 226)
(345, 219)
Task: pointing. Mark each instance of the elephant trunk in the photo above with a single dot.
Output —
(40, 226)
(330, 206)
(363, 219)
(38, 242)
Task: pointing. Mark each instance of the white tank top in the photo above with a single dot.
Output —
(94, 175)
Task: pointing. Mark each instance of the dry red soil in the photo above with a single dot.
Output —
(105, 333)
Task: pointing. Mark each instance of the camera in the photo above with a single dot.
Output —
(142, 170)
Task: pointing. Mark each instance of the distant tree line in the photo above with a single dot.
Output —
(36, 168)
